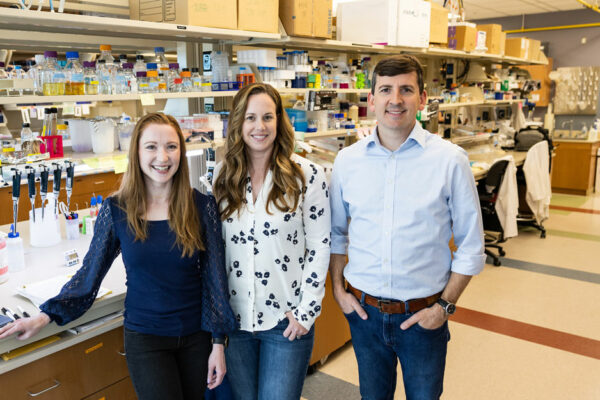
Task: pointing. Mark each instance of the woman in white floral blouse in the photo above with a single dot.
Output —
(276, 225)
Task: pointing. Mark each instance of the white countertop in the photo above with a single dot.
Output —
(44, 263)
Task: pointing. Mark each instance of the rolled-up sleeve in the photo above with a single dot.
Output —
(339, 209)
(467, 226)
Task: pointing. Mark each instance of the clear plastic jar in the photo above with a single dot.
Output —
(90, 79)
(53, 77)
(75, 84)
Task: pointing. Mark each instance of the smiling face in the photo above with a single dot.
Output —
(260, 125)
(395, 102)
(159, 153)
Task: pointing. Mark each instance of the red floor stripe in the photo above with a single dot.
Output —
(574, 209)
(532, 333)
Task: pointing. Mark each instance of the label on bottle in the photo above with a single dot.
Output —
(153, 85)
(76, 77)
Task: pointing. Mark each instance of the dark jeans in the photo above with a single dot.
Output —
(168, 367)
(267, 366)
(378, 342)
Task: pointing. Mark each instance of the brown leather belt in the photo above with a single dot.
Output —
(395, 306)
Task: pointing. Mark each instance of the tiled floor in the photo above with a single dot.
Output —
(529, 329)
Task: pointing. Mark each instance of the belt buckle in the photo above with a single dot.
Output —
(381, 303)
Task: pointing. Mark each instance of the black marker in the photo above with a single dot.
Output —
(13, 315)
(7, 313)
(25, 313)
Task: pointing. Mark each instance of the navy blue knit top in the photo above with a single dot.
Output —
(167, 294)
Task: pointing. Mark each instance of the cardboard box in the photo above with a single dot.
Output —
(502, 43)
(258, 15)
(210, 13)
(534, 49)
(399, 22)
(438, 24)
(493, 40)
(462, 37)
(517, 47)
(310, 18)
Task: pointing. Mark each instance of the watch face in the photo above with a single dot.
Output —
(450, 308)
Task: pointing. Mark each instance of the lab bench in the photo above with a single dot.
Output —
(574, 166)
(77, 366)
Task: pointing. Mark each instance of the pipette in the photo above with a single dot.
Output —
(69, 185)
(57, 175)
(43, 187)
(31, 188)
(16, 193)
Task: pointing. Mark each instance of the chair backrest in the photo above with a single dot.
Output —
(494, 177)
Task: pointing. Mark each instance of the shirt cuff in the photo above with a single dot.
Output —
(339, 244)
(218, 335)
(468, 264)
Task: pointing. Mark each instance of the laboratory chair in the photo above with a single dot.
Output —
(488, 195)
(525, 139)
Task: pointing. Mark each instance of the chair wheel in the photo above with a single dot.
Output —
(543, 235)
(497, 263)
(501, 252)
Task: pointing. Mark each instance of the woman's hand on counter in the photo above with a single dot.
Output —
(25, 328)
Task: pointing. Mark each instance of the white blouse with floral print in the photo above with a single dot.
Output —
(278, 262)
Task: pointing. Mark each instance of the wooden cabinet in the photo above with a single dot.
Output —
(574, 167)
(122, 390)
(331, 328)
(94, 366)
(83, 188)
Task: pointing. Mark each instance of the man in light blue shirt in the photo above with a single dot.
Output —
(397, 198)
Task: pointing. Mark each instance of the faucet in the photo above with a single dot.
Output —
(562, 125)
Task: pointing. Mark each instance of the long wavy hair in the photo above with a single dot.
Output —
(288, 179)
(184, 220)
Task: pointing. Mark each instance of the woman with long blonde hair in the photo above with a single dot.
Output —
(275, 217)
(169, 236)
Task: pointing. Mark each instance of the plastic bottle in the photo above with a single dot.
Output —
(129, 81)
(35, 73)
(186, 80)
(196, 80)
(142, 82)
(160, 60)
(110, 69)
(162, 83)
(53, 121)
(16, 74)
(53, 78)
(26, 134)
(15, 255)
(173, 79)
(104, 79)
(62, 130)
(90, 78)
(122, 60)
(74, 72)
(3, 263)
(152, 78)
(139, 65)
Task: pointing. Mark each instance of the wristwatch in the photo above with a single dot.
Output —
(449, 308)
(221, 340)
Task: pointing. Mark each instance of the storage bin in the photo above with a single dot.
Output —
(80, 131)
(103, 136)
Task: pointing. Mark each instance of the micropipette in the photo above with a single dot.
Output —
(56, 191)
(70, 175)
(16, 193)
(31, 188)
(43, 187)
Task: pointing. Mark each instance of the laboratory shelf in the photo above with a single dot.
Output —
(450, 106)
(329, 133)
(26, 100)
(34, 21)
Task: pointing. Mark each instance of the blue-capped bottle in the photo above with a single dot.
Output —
(74, 73)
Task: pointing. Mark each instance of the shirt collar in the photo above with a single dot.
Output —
(418, 135)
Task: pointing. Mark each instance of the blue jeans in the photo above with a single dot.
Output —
(168, 367)
(267, 366)
(377, 343)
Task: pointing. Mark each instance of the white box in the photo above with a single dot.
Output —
(260, 57)
(355, 21)
(399, 22)
(414, 17)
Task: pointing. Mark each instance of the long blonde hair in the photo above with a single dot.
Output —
(288, 179)
(184, 220)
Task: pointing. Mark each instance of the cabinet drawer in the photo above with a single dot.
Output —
(96, 183)
(122, 390)
(72, 373)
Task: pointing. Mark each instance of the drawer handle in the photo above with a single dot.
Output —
(121, 353)
(56, 384)
(98, 183)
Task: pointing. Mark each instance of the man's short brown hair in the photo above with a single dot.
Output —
(398, 65)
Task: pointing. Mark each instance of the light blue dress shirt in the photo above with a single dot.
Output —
(394, 213)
